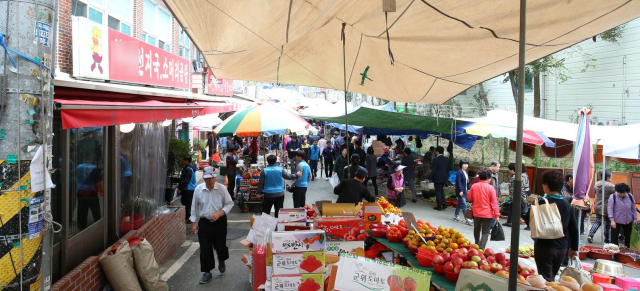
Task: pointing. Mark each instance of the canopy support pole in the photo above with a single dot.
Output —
(602, 223)
(517, 185)
(344, 70)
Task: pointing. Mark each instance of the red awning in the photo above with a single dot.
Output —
(88, 113)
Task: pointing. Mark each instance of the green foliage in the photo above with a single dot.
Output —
(349, 96)
(575, 117)
(177, 150)
(202, 144)
(612, 35)
(480, 103)
(139, 205)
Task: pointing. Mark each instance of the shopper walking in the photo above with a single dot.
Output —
(314, 156)
(524, 188)
(328, 155)
(622, 213)
(293, 146)
(462, 186)
(271, 185)
(302, 181)
(601, 214)
(350, 171)
(550, 253)
(341, 163)
(495, 177)
(395, 186)
(232, 162)
(358, 150)
(353, 190)
(439, 176)
(409, 172)
(485, 207)
(187, 184)
(371, 164)
(211, 204)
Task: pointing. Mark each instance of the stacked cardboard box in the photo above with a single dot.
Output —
(297, 260)
(291, 216)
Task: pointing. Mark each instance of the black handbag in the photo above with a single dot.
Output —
(497, 234)
(402, 201)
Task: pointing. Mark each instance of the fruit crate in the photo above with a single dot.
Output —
(252, 194)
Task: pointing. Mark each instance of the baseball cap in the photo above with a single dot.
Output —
(398, 168)
(209, 172)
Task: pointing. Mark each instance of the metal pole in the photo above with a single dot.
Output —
(517, 185)
(344, 70)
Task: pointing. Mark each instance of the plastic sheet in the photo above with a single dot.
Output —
(142, 165)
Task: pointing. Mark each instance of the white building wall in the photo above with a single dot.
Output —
(612, 87)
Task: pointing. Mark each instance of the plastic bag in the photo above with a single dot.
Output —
(334, 180)
(635, 237)
(262, 226)
(497, 234)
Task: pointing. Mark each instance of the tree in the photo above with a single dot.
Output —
(481, 103)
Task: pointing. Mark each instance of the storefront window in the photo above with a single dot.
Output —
(142, 164)
(86, 172)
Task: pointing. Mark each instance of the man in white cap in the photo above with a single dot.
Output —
(211, 204)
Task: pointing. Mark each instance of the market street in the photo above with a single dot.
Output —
(185, 264)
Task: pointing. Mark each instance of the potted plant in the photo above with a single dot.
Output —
(133, 213)
(177, 150)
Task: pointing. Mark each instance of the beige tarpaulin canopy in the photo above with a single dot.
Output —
(441, 47)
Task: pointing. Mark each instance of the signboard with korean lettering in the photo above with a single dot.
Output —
(117, 56)
(220, 87)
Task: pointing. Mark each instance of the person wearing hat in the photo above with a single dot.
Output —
(271, 185)
(353, 190)
(211, 204)
(299, 187)
(232, 162)
(350, 170)
(395, 186)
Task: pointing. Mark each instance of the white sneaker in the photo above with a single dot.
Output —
(326, 179)
(455, 218)
(469, 222)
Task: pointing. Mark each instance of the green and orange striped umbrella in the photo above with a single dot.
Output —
(266, 119)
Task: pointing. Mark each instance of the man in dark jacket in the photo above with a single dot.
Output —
(353, 167)
(187, 184)
(439, 176)
(353, 190)
(358, 150)
(409, 174)
(292, 146)
(231, 162)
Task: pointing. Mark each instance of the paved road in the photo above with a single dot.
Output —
(186, 265)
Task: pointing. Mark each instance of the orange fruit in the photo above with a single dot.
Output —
(445, 241)
(448, 250)
(452, 230)
(475, 246)
(430, 243)
(460, 240)
(438, 237)
(453, 246)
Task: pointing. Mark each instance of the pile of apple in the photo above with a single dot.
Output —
(472, 259)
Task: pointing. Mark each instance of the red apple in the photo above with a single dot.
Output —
(495, 267)
(438, 260)
(446, 257)
(520, 267)
(508, 262)
(448, 267)
(474, 252)
(483, 263)
(503, 263)
(457, 261)
(500, 257)
(464, 256)
(482, 257)
(488, 252)
(457, 269)
(476, 259)
(491, 260)
(472, 265)
(486, 268)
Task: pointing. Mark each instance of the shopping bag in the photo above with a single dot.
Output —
(635, 237)
(147, 268)
(575, 271)
(402, 201)
(334, 181)
(469, 213)
(545, 221)
(497, 234)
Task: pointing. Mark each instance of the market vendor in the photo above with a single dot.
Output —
(211, 204)
(271, 185)
(354, 190)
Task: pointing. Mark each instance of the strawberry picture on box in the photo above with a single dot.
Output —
(337, 227)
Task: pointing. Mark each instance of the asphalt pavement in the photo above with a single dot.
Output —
(182, 270)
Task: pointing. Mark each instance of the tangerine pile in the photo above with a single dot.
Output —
(446, 240)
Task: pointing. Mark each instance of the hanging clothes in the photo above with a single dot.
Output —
(418, 142)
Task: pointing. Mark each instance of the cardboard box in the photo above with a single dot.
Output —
(337, 227)
(345, 247)
(281, 226)
(304, 282)
(358, 273)
(292, 215)
(470, 280)
(298, 241)
(298, 263)
(339, 209)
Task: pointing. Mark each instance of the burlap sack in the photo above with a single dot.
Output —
(147, 267)
(119, 269)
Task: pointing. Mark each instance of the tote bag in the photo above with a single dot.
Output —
(545, 221)
(575, 271)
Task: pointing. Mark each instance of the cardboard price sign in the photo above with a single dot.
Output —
(358, 273)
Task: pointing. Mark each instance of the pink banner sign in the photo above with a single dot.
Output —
(220, 87)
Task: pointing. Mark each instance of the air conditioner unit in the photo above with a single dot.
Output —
(608, 122)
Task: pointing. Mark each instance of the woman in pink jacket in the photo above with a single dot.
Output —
(485, 207)
(395, 186)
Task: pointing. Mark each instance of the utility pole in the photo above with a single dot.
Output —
(27, 56)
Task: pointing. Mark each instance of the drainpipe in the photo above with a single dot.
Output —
(624, 86)
(543, 97)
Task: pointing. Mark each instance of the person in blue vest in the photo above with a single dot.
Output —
(271, 185)
(299, 187)
(187, 184)
(314, 157)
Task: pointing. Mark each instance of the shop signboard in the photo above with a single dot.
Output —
(219, 87)
(103, 53)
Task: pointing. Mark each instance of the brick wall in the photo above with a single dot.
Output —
(63, 55)
(175, 49)
(166, 233)
(138, 8)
